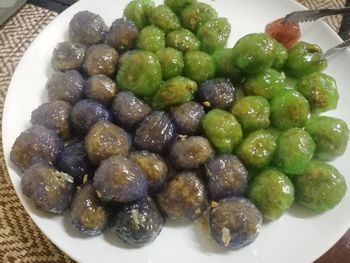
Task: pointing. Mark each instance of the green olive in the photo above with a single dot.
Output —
(164, 18)
(281, 56)
(183, 40)
(151, 38)
(225, 66)
(138, 11)
(171, 61)
(178, 5)
(199, 66)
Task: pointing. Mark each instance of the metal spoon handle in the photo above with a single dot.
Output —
(333, 50)
(312, 15)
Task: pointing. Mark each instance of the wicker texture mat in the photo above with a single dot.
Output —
(20, 239)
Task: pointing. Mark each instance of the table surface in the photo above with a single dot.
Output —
(340, 252)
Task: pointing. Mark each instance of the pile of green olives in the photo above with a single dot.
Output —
(154, 118)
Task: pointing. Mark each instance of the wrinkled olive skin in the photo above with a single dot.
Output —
(320, 90)
(171, 61)
(214, 34)
(222, 130)
(225, 67)
(252, 112)
(289, 109)
(55, 116)
(187, 117)
(235, 222)
(189, 153)
(254, 53)
(67, 86)
(155, 133)
(295, 149)
(175, 91)
(196, 14)
(304, 59)
(87, 213)
(267, 84)
(183, 40)
(320, 187)
(226, 176)
(101, 59)
(330, 134)
(36, 144)
(183, 198)
(151, 38)
(100, 88)
(50, 189)
(164, 18)
(122, 35)
(178, 5)
(140, 72)
(128, 110)
(216, 93)
(68, 55)
(281, 56)
(153, 166)
(104, 140)
(272, 192)
(137, 223)
(139, 11)
(86, 113)
(118, 179)
(74, 161)
(257, 149)
(87, 28)
(199, 66)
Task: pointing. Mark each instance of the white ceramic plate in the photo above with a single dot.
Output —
(296, 237)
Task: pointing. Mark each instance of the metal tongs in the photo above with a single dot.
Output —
(312, 15)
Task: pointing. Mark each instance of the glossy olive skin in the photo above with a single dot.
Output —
(155, 133)
(36, 144)
(153, 166)
(137, 223)
(304, 59)
(189, 153)
(151, 38)
(139, 72)
(87, 213)
(330, 134)
(222, 130)
(118, 179)
(68, 55)
(55, 116)
(234, 222)
(174, 91)
(199, 66)
(87, 28)
(164, 18)
(50, 189)
(214, 34)
(267, 84)
(187, 117)
(86, 113)
(101, 59)
(183, 198)
(74, 161)
(257, 149)
(196, 14)
(139, 11)
(281, 56)
(178, 5)
(183, 40)
(252, 112)
(122, 35)
(104, 140)
(320, 187)
(289, 109)
(100, 88)
(225, 67)
(320, 90)
(295, 149)
(216, 93)
(171, 61)
(128, 110)
(67, 86)
(226, 176)
(254, 53)
(272, 192)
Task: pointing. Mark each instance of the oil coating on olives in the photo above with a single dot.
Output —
(68, 55)
(164, 18)
(183, 40)
(100, 88)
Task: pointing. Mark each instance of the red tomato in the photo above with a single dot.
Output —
(286, 33)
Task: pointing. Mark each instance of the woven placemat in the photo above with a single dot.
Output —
(20, 239)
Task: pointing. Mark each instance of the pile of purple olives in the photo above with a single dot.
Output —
(155, 119)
